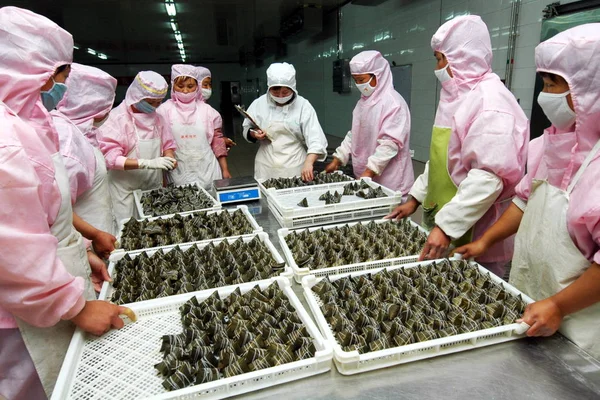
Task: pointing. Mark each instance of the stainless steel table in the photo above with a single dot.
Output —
(545, 368)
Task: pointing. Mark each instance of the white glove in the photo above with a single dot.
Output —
(167, 163)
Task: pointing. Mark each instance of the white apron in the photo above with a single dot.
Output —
(546, 260)
(48, 346)
(123, 182)
(196, 161)
(281, 157)
(94, 206)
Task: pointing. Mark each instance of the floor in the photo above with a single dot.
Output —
(241, 158)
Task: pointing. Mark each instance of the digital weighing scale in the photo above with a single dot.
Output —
(236, 190)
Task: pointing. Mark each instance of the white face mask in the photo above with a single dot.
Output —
(206, 93)
(365, 88)
(442, 74)
(557, 109)
(281, 100)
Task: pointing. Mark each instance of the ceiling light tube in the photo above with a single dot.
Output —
(91, 51)
(174, 27)
(102, 56)
(171, 11)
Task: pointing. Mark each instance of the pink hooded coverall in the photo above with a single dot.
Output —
(555, 158)
(196, 130)
(380, 136)
(90, 95)
(35, 286)
(487, 151)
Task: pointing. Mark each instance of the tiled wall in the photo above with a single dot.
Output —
(402, 30)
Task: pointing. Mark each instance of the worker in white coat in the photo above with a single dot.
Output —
(555, 214)
(135, 143)
(291, 139)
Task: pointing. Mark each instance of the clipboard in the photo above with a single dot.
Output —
(245, 114)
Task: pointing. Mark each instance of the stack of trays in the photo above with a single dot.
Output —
(173, 199)
(128, 363)
(345, 248)
(286, 204)
(388, 316)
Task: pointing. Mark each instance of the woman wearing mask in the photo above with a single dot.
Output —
(292, 139)
(45, 287)
(90, 96)
(205, 79)
(555, 214)
(379, 140)
(478, 146)
(201, 154)
(136, 144)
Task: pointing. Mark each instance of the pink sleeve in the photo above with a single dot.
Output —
(113, 143)
(166, 136)
(535, 153)
(493, 145)
(35, 285)
(218, 144)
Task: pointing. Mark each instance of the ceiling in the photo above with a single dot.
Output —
(139, 31)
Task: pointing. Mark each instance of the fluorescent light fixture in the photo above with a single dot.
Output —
(178, 37)
(174, 27)
(91, 51)
(102, 56)
(180, 45)
(76, 47)
(171, 11)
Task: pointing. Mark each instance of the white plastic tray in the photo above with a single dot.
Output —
(299, 273)
(120, 364)
(350, 215)
(256, 228)
(285, 201)
(137, 195)
(107, 288)
(263, 189)
(349, 363)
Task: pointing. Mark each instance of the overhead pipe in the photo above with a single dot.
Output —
(512, 42)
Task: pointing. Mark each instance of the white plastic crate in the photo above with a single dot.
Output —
(107, 288)
(263, 189)
(299, 273)
(350, 215)
(256, 228)
(285, 201)
(348, 363)
(120, 364)
(138, 194)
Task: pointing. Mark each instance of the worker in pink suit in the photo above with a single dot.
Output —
(201, 153)
(45, 289)
(136, 143)
(89, 97)
(205, 93)
(555, 214)
(478, 147)
(379, 141)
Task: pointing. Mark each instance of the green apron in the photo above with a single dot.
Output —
(440, 187)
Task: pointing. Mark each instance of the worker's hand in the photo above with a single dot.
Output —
(98, 317)
(368, 174)
(229, 143)
(167, 163)
(103, 243)
(333, 165)
(473, 249)
(404, 210)
(99, 271)
(307, 171)
(543, 316)
(258, 134)
(436, 245)
(226, 174)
